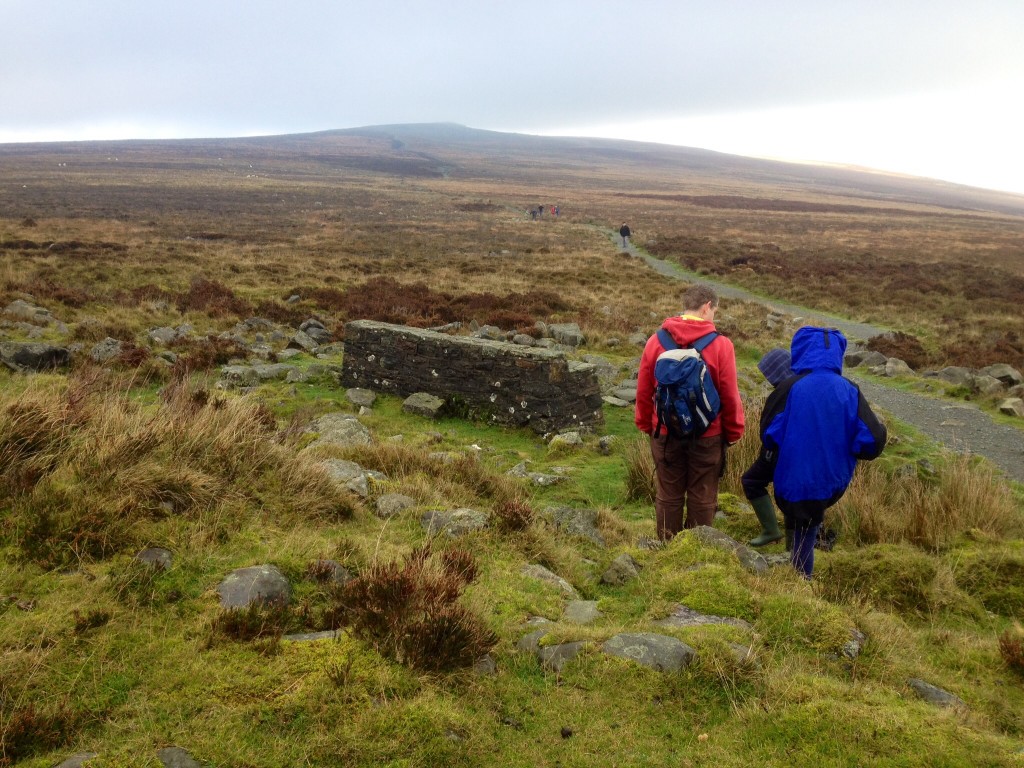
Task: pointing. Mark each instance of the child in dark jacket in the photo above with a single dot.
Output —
(814, 428)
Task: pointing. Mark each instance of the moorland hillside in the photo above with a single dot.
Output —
(212, 552)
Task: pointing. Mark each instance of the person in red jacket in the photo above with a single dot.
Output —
(687, 471)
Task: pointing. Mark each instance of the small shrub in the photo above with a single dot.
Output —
(89, 620)
(409, 610)
(514, 514)
(1011, 648)
(27, 728)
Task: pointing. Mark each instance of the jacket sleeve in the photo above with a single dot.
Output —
(729, 393)
(643, 415)
(870, 435)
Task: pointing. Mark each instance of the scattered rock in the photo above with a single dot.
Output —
(257, 584)
(955, 375)
(851, 648)
(567, 333)
(176, 757)
(896, 367)
(530, 643)
(458, 522)
(575, 522)
(659, 652)
(311, 637)
(163, 335)
(339, 429)
(361, 397)
(22, 310)
(864, 357)
(536, 571)
(682, 616)
(553, 658)
(935, 695)
(1006, 374)
(749, 559)
(302, 340)
(391, 504)
(423, 404)
(615, 402)
(581, 612)
(485, 666)
(524, 339)
(605, 444)
(566, 440)
(157, 558)
(105, 350)
(1012, 406)
(33, 356)
(622, 570)
(986, 385)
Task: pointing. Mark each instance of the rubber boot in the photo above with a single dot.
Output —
(765, 511)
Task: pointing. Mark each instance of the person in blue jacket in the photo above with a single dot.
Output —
(814, 428)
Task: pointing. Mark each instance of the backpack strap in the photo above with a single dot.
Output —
(666, 339)
(704, 340)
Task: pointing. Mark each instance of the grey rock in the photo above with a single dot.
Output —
(79, 760)
(851, 648)
(615, 402)
(293, 299)
(659, 652)
(752, 561)
(176, 757)
(302, 340)
(581, 612)
(524, 339)
(492, 332)
(935, 695)
(158, 558)
(339, 429)
(625, 393)
(311, 637)
(637, 339)
(648, 544)
(955, 375)
(458, 522)
(22, 310)
(288, 354)
(567, 333)
(575, 522)
(605, 444)
(1012, 406)
(986, 385)
(682, 616)
(553, 658)
(257, 584)
(423, 404)
(274, 371)
(743, 655)
(1007, 374)
(361, 397)
(162, 335)
(896, 367)
(622, 570)
(342, 471)
(863, 357)
(485, 666)
(566, 440)
(391, 504)
(530, 643)
(539, 572)
(33, 356)
(105, 350)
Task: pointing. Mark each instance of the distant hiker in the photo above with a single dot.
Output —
(556, 210)
(540, 210)
(775, 366)
(533, 214)
(624, 233)
(687, 470)
(814, 428)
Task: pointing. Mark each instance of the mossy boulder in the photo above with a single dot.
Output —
(995, 577)
(894, 576)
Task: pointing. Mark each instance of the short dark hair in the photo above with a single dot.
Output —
(697, 295)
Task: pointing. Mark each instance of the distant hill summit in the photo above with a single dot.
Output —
(450, 150)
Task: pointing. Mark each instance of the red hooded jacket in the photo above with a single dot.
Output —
(720, 357)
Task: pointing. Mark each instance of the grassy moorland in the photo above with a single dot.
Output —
(99, 654)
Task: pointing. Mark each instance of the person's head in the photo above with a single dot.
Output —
(701, 300)
(775, 365)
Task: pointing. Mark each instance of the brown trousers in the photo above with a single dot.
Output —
(686, 474)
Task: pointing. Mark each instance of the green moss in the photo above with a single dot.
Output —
(895, 576)
(994, 576)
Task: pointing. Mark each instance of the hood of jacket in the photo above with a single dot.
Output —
(685, 332)
(816, 349)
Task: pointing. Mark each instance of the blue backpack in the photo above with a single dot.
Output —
(685, 396)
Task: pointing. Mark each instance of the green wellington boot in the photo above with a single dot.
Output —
(765, 511)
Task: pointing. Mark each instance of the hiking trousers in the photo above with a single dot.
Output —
(686, 476)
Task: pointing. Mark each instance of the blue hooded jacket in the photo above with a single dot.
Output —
(817, 424)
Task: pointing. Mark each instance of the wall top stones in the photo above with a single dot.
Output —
(507, 383)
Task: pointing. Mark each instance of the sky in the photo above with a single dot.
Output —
(923, 87)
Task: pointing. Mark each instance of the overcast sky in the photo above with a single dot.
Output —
(927, 87)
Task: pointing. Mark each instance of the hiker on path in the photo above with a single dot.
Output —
(775, 366)
(687, 470)
(814, 428)
(624, 233)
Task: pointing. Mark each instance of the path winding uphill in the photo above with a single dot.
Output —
(958, 426)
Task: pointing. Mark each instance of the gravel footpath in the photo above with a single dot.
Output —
(959, 426)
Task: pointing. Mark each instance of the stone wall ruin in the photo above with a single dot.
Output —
(506, 383)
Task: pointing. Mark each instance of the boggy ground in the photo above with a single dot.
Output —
(102, 656)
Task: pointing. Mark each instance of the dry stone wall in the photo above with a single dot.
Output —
(508, 383)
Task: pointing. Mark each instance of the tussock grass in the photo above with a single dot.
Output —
(88, 472)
